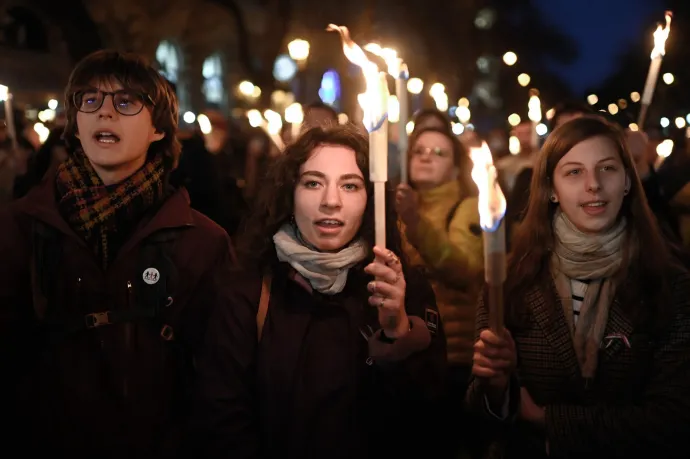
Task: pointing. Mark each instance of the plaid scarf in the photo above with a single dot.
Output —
(103, 214)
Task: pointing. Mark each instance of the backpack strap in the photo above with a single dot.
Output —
(263, 305)
(451, 215)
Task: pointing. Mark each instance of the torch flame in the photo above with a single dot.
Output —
(492, 203)
(396, 67)
(375, 109)
(660, 36)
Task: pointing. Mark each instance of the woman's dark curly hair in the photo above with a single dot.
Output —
(275, 203)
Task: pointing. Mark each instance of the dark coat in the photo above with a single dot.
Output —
(637, 405)
(120, 390)
(315, 387)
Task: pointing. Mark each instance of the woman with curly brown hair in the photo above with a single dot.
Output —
(350, 351)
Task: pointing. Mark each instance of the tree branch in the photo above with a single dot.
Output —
(244, 48)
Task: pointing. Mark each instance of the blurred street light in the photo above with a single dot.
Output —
(524, 79)
(415, 86)
(246, 88)
(437, 89)
(510, 58)
(189, 117)
(464, 114)
(299, 51)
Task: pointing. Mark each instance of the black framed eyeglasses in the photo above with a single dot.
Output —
(125, 102)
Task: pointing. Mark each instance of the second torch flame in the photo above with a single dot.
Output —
(660, 37)
(492, 209)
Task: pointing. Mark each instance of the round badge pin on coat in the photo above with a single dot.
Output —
(151, 276)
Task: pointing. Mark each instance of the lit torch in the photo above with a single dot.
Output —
(534, 114)
(660, 36)
(398, 70)
(271, 125)
(6, 97)
(375, 120)
(492, 208)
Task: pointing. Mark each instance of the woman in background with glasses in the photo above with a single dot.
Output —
(439, 213)
(106, 278)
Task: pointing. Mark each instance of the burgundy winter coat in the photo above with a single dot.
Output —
(74, 385)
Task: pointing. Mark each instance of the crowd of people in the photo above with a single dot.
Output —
(170, 294)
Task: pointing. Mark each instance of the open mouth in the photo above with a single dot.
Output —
(594, 207)
(329, 223)
(594, 204)
(106, 137)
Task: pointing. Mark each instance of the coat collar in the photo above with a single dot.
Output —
(41, 204)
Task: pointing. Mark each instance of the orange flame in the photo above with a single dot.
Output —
(492, 202)
(660, 37)
(396, 67)
(376, 95)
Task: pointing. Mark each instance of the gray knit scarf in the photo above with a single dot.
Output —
(325, 271)
(593, 257)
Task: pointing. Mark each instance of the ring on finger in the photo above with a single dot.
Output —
(382, 302)
(393, 258)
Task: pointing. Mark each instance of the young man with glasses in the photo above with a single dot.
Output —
(107, 278)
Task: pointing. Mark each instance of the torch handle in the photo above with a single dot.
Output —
(643, 116)
(648, 92)
(496, 307)
(495, 274)
(401, 91)
(380, 213)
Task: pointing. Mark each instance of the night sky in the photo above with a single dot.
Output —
(601, 29)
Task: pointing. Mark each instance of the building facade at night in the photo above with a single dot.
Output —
(205, 47)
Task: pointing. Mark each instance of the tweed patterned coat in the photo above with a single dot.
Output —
(638, 404)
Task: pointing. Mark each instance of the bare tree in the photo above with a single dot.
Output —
(258, 53)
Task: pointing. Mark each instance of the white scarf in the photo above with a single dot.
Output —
(325, 271)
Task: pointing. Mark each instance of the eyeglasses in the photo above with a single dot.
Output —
(125, 102)
(435, 151)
